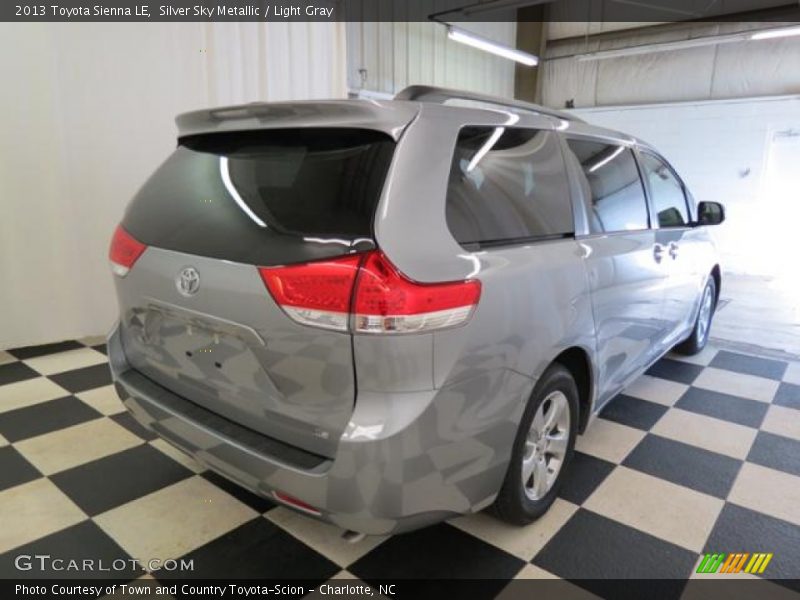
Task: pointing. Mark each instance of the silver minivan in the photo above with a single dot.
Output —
(387, 313)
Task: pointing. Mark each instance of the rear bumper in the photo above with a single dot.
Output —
(405, 460)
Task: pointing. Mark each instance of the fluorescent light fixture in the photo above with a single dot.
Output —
(481, 43)
(498, 131)
(602, 163)
(225, 173)
(775, 33)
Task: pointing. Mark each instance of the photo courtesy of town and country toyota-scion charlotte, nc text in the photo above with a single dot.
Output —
(196, 12)
(201, 590)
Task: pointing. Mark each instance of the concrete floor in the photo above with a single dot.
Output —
(760, 314)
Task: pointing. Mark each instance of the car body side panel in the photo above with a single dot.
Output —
(627, 287)
(630, 290)
(400, 363)
(535, 303)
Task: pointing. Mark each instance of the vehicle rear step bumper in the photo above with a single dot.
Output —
(172, 409)
(384, 478)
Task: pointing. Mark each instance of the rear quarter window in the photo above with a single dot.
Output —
(506, 186)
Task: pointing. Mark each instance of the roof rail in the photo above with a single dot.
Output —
(427, 93)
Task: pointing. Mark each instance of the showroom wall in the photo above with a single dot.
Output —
(738, 69)
(724, 150)
(96, 119)
(391, 56)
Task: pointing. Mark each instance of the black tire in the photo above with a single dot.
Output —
(513, 504)
(698, 339)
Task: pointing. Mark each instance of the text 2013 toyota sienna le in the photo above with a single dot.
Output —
(384, 314)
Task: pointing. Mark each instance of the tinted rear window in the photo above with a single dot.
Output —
(507, 186)
(265, 197)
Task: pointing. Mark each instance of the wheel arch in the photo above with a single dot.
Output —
(716, 273)
(577, 361)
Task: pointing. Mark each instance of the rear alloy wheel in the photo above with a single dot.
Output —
(546, 445)
(542, 450)
(698, 339)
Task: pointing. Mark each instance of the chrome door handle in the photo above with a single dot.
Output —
(658, 252)
(673, 250)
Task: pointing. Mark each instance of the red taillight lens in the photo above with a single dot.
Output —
(382, 299)
(316, 293)
(125, 250)
(387, 301)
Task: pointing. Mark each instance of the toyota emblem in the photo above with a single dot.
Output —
(188, 281)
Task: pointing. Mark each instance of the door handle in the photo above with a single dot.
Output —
(673, 250)
(658, 252)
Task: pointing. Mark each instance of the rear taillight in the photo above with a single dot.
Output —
(367, 294)
(386, 301)
(124, 252)
(316, 293)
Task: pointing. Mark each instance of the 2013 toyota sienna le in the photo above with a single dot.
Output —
(387, 313)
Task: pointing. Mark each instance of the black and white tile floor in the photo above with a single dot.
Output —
(701, 454)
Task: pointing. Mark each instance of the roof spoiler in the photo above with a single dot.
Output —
(439, 95)
(387, 117)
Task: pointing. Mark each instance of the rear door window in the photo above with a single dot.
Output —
(612, 186)
(267, 197)
(666, 191)
(506, 186)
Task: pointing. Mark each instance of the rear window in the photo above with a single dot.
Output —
(507, 186)
(265, 197)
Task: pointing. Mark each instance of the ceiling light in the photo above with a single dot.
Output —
(603, 162)
(498, 131)
(775, 33)
(476, 41)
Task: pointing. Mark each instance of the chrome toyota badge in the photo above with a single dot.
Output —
(188, 281)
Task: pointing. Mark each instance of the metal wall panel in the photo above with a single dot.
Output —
(741, 69)
(394, 55)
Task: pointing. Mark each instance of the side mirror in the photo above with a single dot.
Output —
(710, 213)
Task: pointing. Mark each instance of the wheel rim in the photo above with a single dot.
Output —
(546, 445)
(704, 319)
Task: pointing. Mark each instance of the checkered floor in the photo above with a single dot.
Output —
(700, 454)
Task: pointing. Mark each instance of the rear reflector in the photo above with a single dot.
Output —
(125, 250)
(366, 293)
(294, 502)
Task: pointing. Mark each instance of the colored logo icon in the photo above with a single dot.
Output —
(741, 562)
